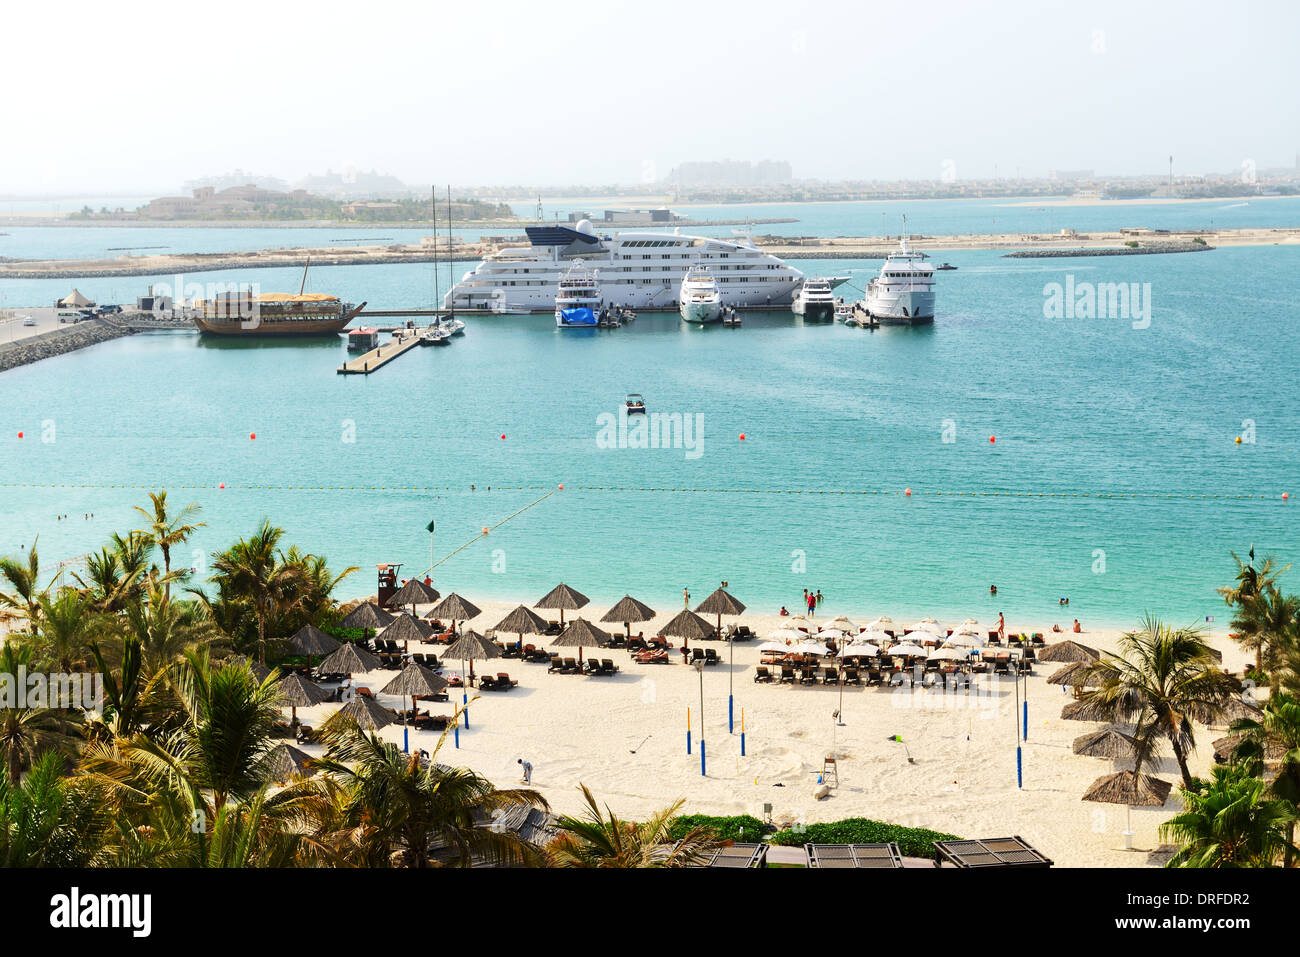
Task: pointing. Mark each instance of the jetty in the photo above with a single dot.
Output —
(403, 341)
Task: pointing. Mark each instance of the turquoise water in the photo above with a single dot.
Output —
(1080, 407)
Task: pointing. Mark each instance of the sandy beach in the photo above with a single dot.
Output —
(625, 737)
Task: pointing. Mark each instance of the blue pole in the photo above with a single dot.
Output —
(457, 735)
(731, 724)
(688, 740)
(702, 771)
(1026, 720)
(742, 744)
(1020, 780)
(406, 740)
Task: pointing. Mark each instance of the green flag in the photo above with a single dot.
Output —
(429, 528)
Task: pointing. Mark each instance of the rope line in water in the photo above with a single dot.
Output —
(489, 528)
(937, 493)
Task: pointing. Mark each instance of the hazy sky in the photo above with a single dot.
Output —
(140, 95)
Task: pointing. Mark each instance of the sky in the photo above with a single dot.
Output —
(136, 97)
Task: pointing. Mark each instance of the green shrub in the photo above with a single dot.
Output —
(1132, 244)
(348, 634)
(911, 841)
(1198, 240)
(727, 828)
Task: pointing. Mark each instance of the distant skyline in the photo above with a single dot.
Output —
(137, 98)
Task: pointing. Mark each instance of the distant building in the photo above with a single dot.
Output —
(1070, 175)
(732, 173)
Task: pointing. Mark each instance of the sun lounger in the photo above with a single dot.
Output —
(487, 683)
(762, 675)
(608, 666)
(896, 679)
(787, 675)
(571, 666)
(557, 665)
(830, 677)
(711, 657)
(655, 657)
(808, 676)
(697, 654)
(852, 677)
(505, 682)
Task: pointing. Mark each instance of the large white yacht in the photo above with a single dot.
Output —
(699, 299)
(903, 293)
(577, 299)
(815, 300)
(640, 270)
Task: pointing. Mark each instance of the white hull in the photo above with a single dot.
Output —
(702, 311)
(901, 308)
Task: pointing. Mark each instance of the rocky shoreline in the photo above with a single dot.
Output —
(58, 342)
(1152, 250)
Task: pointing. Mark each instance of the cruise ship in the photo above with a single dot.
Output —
(639, 270)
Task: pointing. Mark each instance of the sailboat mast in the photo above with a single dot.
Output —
(450, 267)
(433, 208)
(307, 265)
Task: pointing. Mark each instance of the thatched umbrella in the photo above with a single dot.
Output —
(406, 629)
(522, 621)
(284, 761)
(1068, 651)
(297, 692)
(259, 670)
(1234, 709)
(627, 611)
(720, 603)
(1128, 788)
(454, 607)
(349, 659)
(562, 598)
(310, 640)
(366, 712)
(412, 682)
(1087, 709)
(469, 646)
(414, 592)
(368, 615)
(580, 634)
(1076, 675)
(687, 625)
(1223, 748)
(1106, 743)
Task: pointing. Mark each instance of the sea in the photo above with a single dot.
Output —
(899, 471)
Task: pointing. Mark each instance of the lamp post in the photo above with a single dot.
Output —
(731, 683)
(699, 667)
(1015, 716)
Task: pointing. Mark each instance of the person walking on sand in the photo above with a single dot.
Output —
(686, 599)
(528, 771)
(1002, 628)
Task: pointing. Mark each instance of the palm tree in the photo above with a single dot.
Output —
(162, 627)
(68, 623)
(1267, 623)
(23, 576)
(1161, 680)
(47, 822)
(166, 531)
(1277, 729)
(1229, 823)
(1250, 580)
(28, 732)
(601, 839)
(254, 570)
(379, 807)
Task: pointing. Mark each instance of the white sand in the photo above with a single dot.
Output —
(582, 729)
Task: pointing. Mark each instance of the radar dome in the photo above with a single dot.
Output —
(584, 226)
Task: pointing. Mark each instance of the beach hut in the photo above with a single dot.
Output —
(285, 762)
(689, 626)
(1129, 788)
(414, 681)
(1106, 743)
(720, 603)
(522, 621)
(75, 300)
(562, 598)
(455, 608)
(407, 629)
(414, 592)
(470, 646)
(580, 634)
(310, 640)
(1087, 709)
(367, 615)
(368, 714)
(297, 692)
(1068, 651)
(349, 659)
(627, 611)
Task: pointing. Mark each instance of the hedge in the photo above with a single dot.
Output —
(911, 841)
(727, 828)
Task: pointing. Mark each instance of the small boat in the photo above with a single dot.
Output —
(634, 403)
(363, 339)
(730, 317)
(454, 326)
(700, 299)
(435, 335)
(944, 267)
(843, 312)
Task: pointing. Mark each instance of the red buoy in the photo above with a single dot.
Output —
(503, 435)
(561, 486)
(222, 485)
(20, 435)
(742, 436)
(252, 435)
(1285, 496)
(992, 439)
(907, 492)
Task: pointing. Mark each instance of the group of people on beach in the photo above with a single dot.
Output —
(811, 599)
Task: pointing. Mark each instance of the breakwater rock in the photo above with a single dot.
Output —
(1154, 249)
(58, 342)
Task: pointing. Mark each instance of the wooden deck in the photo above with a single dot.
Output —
(376, 359)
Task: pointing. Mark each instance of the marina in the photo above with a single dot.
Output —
(402, 342)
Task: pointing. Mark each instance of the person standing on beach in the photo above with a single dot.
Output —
(528, 771)
(686, 599)
(812, 605)
(1002, 628)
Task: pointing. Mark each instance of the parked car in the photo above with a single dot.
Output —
(28, 321)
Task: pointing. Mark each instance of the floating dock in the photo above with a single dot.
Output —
(376, 359)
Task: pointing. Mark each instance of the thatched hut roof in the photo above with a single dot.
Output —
(721, 603)
(406, 628)
(688, 625)
(1128, 787)
(368, 615)
(366, 712)
(414, 592)
(1223, 748)
(310, 640)
(522, 621)
(581, 633)
(284, 761)
(1086, 709)
(471, 646)
(1075, 675)
(1068, 651)
(629, 609)
(454, 607)
(562, 598)
(259, 670)
(1106, 743)
(349, 659)
(298, 692)
(415, 680)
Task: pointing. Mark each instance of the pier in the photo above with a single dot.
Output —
(376, 359)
